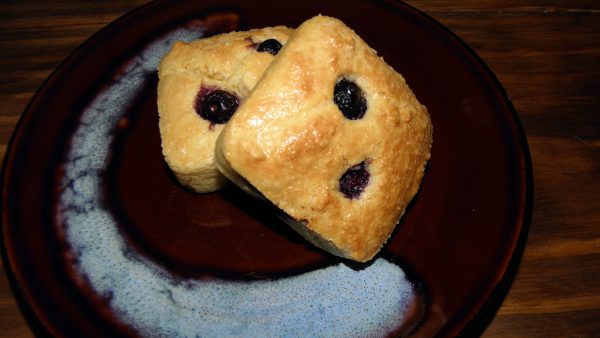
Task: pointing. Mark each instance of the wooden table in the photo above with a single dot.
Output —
(547, 56)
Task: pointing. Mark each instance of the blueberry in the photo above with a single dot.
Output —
(271, 46)
(354, 180)
(215, 105)
(350, 99)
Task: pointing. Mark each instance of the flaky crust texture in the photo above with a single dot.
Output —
(291, 142)
(229, 62)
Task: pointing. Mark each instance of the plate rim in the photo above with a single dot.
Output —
(479, 316)
(478, 320)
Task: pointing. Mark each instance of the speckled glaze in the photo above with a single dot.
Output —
(456, 243)
(372, 301)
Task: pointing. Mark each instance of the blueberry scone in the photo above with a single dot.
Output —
(200, 86)
(333, 137)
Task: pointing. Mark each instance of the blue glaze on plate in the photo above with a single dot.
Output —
(336, 301)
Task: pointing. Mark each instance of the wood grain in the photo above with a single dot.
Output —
(547, 56)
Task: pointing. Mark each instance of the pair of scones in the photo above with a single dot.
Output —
(329, 133)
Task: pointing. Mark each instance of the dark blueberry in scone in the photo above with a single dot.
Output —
(354, 180)
(216, 106)
(270, 46)
(350, 99)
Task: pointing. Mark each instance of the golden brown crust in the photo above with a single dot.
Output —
(227, 61)
(291, 142)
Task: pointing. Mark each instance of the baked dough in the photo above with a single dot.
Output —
(290, 143)
(230, 62)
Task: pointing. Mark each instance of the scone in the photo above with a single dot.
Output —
(200, 86)
(333, 137)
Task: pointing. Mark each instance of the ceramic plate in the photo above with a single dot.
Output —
(100, 240)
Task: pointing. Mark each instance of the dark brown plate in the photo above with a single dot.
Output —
(460, 239)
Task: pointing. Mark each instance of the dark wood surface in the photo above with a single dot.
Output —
(547, 56)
